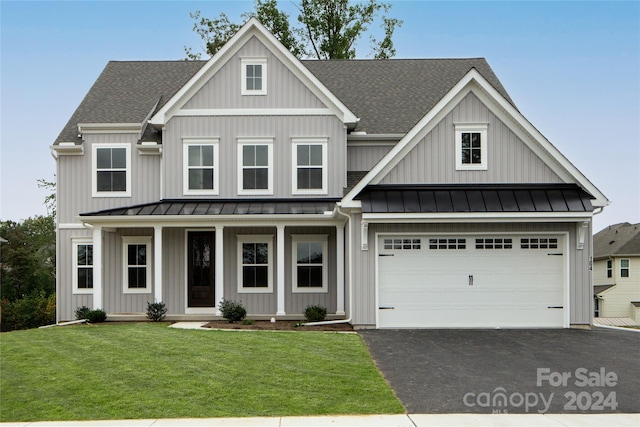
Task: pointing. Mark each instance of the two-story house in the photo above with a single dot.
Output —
(616, 255)
(396, 193)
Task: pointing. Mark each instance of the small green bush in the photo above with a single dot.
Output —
(315, 313)
(156, 311)
(96, 316)
(232, 311)
(31, 311)
(248, 322)
(81, 312)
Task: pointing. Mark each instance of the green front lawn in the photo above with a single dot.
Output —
(148, 370)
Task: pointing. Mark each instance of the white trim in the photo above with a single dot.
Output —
(75, 242)
(262, 62)
(149, 148)
(200, 142)
(480, 128)
(474, 82)
(323, 143)
(136, 240)
(68, 149)
(566, 288)
(157, 265)
(218, 288)
(477, 216)
(255, 141)
(582, 234)
(91, 128)
(97, 267)
(280, 273)
(208, 220)
(340, 260)
(252, 28)
(309, 238)
(255, 238)
(208, 112)
(94, 171)
(71, 226)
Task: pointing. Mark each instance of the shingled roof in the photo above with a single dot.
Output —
(617, 240)
(389, 96)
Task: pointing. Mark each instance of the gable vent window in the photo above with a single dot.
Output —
(538, 243)
(402, 244)
(496, 243)
(254, 76)
(447, 243)
(471, 146)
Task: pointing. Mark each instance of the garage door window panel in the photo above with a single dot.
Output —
(402, 244)
(539, 243)
(447, 243)
(494, 243)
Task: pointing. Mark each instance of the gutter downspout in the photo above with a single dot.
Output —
(349, 246)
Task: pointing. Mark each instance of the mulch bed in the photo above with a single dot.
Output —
(280, 325)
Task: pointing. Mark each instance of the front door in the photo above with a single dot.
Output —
(201, 266)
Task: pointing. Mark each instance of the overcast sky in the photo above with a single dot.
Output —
(572, 68)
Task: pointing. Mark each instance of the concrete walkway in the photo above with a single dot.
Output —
(411, 420)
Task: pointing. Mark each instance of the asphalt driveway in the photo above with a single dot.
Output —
(510, 371)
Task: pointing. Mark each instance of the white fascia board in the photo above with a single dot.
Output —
(68, 149)
(198, 112)
(252, 28)
(476, 217)
(89, 128)
(182, 221)
(474, 82)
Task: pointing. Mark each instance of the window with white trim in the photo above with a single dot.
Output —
(200, 159)
(310, 257)
(309, 166)
(82, 266)
(624, 267)
(111, 174)
(471, 146)
(255, 264)
(255, 166)
(136, 261)
(254, 76)
(609, 268)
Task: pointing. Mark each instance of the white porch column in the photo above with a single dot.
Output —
(157, 261)
(280, 269)
(340, 269)
(219, 268)
(97, 268)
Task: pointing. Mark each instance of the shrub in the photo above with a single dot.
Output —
(96, 316)
(31, 311)
(248, 322)
(81, 312)
(315, 313)
(156, 311)
(232, 311)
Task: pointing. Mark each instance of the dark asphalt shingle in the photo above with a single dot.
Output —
(618, 239)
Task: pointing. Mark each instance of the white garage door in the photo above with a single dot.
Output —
(470, 281)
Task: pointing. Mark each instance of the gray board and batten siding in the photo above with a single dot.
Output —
(364, 262)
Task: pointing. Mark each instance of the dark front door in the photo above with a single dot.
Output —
(201, 268)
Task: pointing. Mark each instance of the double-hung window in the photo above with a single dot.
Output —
(309, 263)
(471, 146)
(309, 166)
(255, 166)
(137, 264)
(254, 76)
(82, 266)
(255, 264)
(624, 267)
(609, 268)
(111, 170)
(200, 166)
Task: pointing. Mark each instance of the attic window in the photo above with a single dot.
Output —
(471, 146)
(254, 76)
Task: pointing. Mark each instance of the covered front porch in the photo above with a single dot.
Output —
(276, 257)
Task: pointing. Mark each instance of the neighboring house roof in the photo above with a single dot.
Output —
(474, 198)
(597, 289)
(391, 96)
(617, 240)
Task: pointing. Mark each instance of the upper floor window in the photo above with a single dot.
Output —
(609, 268)
(471, 146)
(624, 267)
(111, 170)
(254, 76)
(201, 166)
(309, 174)
(82, 266)
(137, 264)
(255, 166)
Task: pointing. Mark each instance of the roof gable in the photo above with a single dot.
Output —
(474, 82)
(252, 28)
